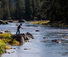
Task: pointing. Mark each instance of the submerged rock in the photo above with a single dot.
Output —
(66, 37)
(57, 41)
(27, 49)
(37, 30)
(46, 38)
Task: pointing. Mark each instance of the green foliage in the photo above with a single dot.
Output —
(55, 10)
(19, 9)
(6, 9)
(1, 10)
(2, 46)
(28, 11)
(15, 42)
(5, 36)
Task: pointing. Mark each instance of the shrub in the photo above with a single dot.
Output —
(5, 36)
(2, 46)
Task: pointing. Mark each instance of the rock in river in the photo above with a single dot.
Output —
(57, 41)
(22, 37)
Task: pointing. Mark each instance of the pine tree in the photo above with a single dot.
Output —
(1, 10)
(6, 9)
(28, 10)
(20, 9)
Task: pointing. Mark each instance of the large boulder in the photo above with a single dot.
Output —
(18, 38)
(22, 37)
(29, 36)
(6, 22)
(22, 20)
(10, 21)
(1, 21)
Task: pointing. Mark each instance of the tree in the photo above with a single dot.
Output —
(20, 9)
(1, 10)
(28, 10)
(6, 9)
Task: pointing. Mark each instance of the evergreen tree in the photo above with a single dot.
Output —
(6, 9)
(28, 10)
(20, 9)
(1, 10)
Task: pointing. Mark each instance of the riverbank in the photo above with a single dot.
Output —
(5, 39)
(42, 22)
(58, 24)
(53, 24)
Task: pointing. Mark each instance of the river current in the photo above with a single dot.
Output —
(41, 45)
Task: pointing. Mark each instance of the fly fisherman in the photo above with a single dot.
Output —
(18, 28)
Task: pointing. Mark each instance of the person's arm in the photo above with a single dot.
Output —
(21, 27)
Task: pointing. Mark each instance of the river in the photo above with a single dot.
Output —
(41, 45)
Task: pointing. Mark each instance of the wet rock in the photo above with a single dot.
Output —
(57, 41)
(13, 51)
(37, 30)
(5, 51)
(1, 21)
(22, 20)
(27, 49)
(1, 32)
(6, 22)
(10, 21)
(14, 48)
(7, 31)
(29, 36)
(45, 38)
(8, 52)
(19, 38)
(22, 37)
(66, 37)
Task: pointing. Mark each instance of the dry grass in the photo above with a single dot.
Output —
(42, 22)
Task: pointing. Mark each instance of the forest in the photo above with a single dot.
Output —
(53, 10)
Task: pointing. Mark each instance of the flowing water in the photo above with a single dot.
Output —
(41, 45)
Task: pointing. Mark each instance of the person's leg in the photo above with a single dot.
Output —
(17, 31)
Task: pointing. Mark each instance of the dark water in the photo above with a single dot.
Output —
(39, 47)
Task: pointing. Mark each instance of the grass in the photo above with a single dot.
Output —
(6, 38)
(42, 22)
(46, 22)
(2, 46)
(6, 35)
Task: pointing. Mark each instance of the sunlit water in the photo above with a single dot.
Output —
(39, 47)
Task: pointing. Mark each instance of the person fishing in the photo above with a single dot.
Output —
(18, 28)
